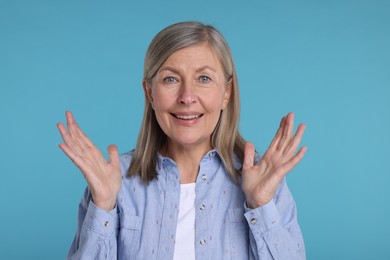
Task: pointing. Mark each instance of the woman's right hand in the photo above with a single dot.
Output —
(104, 178)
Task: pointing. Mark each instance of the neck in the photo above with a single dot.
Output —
(187, 159)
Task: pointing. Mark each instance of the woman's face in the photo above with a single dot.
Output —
(187, 94)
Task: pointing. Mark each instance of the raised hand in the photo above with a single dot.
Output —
(104, 178)
(260, 181)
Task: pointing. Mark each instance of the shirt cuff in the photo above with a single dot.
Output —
(263, 218)
(100, 221)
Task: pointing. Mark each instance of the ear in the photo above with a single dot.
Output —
(148, 92)
(228, 92)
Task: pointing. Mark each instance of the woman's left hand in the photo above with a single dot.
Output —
(260, 181)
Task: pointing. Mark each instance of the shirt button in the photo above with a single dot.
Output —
(106, 224)
(202, 207)
(204, 177)
(253, 221)
(202, 242)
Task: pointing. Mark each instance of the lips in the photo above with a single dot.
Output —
(186, 116)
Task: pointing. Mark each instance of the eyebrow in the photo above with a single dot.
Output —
(197, 70)
(170, 69)
(205, 68)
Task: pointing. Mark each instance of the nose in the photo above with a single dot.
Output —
(187, 96)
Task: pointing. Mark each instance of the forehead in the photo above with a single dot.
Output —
(194, 56)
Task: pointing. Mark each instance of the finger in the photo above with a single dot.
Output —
(278, 134)
(296, 139)
(113, 154)
(288, 166)
(79, 132)
(63, 131)
(249, 155)
(287, 131)
(80, 139)
(73, 129)
(67, 138)
(71, 123)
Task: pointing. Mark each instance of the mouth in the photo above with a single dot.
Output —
(187, 116)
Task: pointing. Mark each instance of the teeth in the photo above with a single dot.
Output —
(187, 117)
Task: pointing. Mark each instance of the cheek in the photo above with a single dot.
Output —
(162, 118)
(217, 101)
(161, 105)
(160, 110)
(160, 100)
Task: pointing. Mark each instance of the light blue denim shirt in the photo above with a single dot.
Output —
(143, 224)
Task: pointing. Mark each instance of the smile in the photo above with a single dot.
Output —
(187, 117)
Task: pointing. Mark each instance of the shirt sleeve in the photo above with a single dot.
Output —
(274, 229)
(96, 232)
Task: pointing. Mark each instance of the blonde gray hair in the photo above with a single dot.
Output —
(225, 138)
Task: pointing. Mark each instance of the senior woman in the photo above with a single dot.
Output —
(192, 187)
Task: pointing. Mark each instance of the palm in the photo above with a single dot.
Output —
(103, 177)
(260, 181)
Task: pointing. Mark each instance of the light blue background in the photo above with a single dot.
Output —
(329, 61)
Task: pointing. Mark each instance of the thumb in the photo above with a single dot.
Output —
(113, 154)
(249, 155)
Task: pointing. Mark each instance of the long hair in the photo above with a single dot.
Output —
(225, 138)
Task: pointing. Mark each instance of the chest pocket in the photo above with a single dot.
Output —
(129, 235)
(238, 233)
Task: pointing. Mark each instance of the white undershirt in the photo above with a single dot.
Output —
(185, 231)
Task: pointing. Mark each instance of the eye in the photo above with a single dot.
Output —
(204, 79)
(170, 80)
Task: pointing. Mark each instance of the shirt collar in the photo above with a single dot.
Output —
(163, 161)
